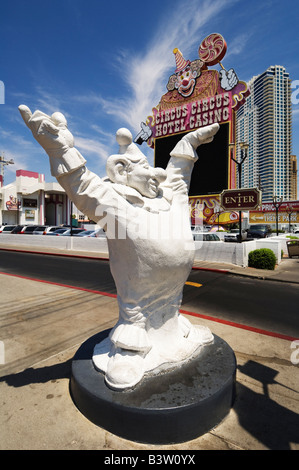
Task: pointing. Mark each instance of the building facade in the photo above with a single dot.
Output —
(264, 121)
(30, 200)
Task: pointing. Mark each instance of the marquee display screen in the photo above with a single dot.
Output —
(211, 171)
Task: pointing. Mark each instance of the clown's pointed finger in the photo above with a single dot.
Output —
(202, 135)
(25, 113)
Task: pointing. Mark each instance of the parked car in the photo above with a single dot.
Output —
(295, 228)
(91, 233)
(259, 231)
(65, 232)
(28, 229)
(7, 228)
(50, 229)
(18, 229)
(39, 230)
(75, 231)
(98, 233)
(206, 237)
(58, 231)
(84, 233)
(233, 235)
(45, 229)
(200, 228)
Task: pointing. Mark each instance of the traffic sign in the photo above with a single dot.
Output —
(240, 199)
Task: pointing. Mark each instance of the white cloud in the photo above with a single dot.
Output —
(295, 112)
(238, 44)
(18, 149)
(147, 74)
(93, 147)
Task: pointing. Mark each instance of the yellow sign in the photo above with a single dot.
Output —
(270, 218)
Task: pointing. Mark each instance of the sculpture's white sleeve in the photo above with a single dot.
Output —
(180, 167)
(65, 160)
(90, 194)
(184, 154)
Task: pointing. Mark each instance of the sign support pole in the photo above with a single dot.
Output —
(244, 148)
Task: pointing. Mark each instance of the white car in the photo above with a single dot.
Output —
(233, 235)
(58, 231)
(49, 229)
(7, 228)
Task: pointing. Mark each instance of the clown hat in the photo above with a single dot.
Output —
(181, 63)
(126, 146)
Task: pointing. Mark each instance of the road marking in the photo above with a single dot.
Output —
(195, 284)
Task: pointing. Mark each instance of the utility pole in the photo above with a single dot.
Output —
(4, 162)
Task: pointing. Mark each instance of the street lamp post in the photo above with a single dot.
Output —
(290, 211)
(217, 211)
(277, 201)
(71, 217)
(244, 147)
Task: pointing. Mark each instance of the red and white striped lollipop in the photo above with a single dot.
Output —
(212, 49)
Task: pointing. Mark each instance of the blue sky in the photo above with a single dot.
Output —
(105, 64)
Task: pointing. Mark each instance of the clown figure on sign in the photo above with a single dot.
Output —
(144, 211)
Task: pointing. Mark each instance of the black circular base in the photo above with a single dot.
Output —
(171, 407)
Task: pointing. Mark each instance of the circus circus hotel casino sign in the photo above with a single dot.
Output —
(198, 95)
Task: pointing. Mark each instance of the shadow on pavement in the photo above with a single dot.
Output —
(269, 422)
(272, 424)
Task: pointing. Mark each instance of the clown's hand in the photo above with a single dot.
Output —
(52, 134)
(144, 134)
(228, 79)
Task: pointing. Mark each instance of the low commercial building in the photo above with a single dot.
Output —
(30, 200)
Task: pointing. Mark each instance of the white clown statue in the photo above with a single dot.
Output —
(145, 214)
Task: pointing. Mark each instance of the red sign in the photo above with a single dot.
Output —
(240, 199)
(287, 206)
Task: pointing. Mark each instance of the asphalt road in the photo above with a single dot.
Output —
(267, 305)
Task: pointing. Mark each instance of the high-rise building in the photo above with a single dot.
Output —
(264, 121)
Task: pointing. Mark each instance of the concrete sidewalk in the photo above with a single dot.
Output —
(286, 271)
(42, 326)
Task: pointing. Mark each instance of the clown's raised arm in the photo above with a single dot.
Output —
(134, 180)
(184, 155)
